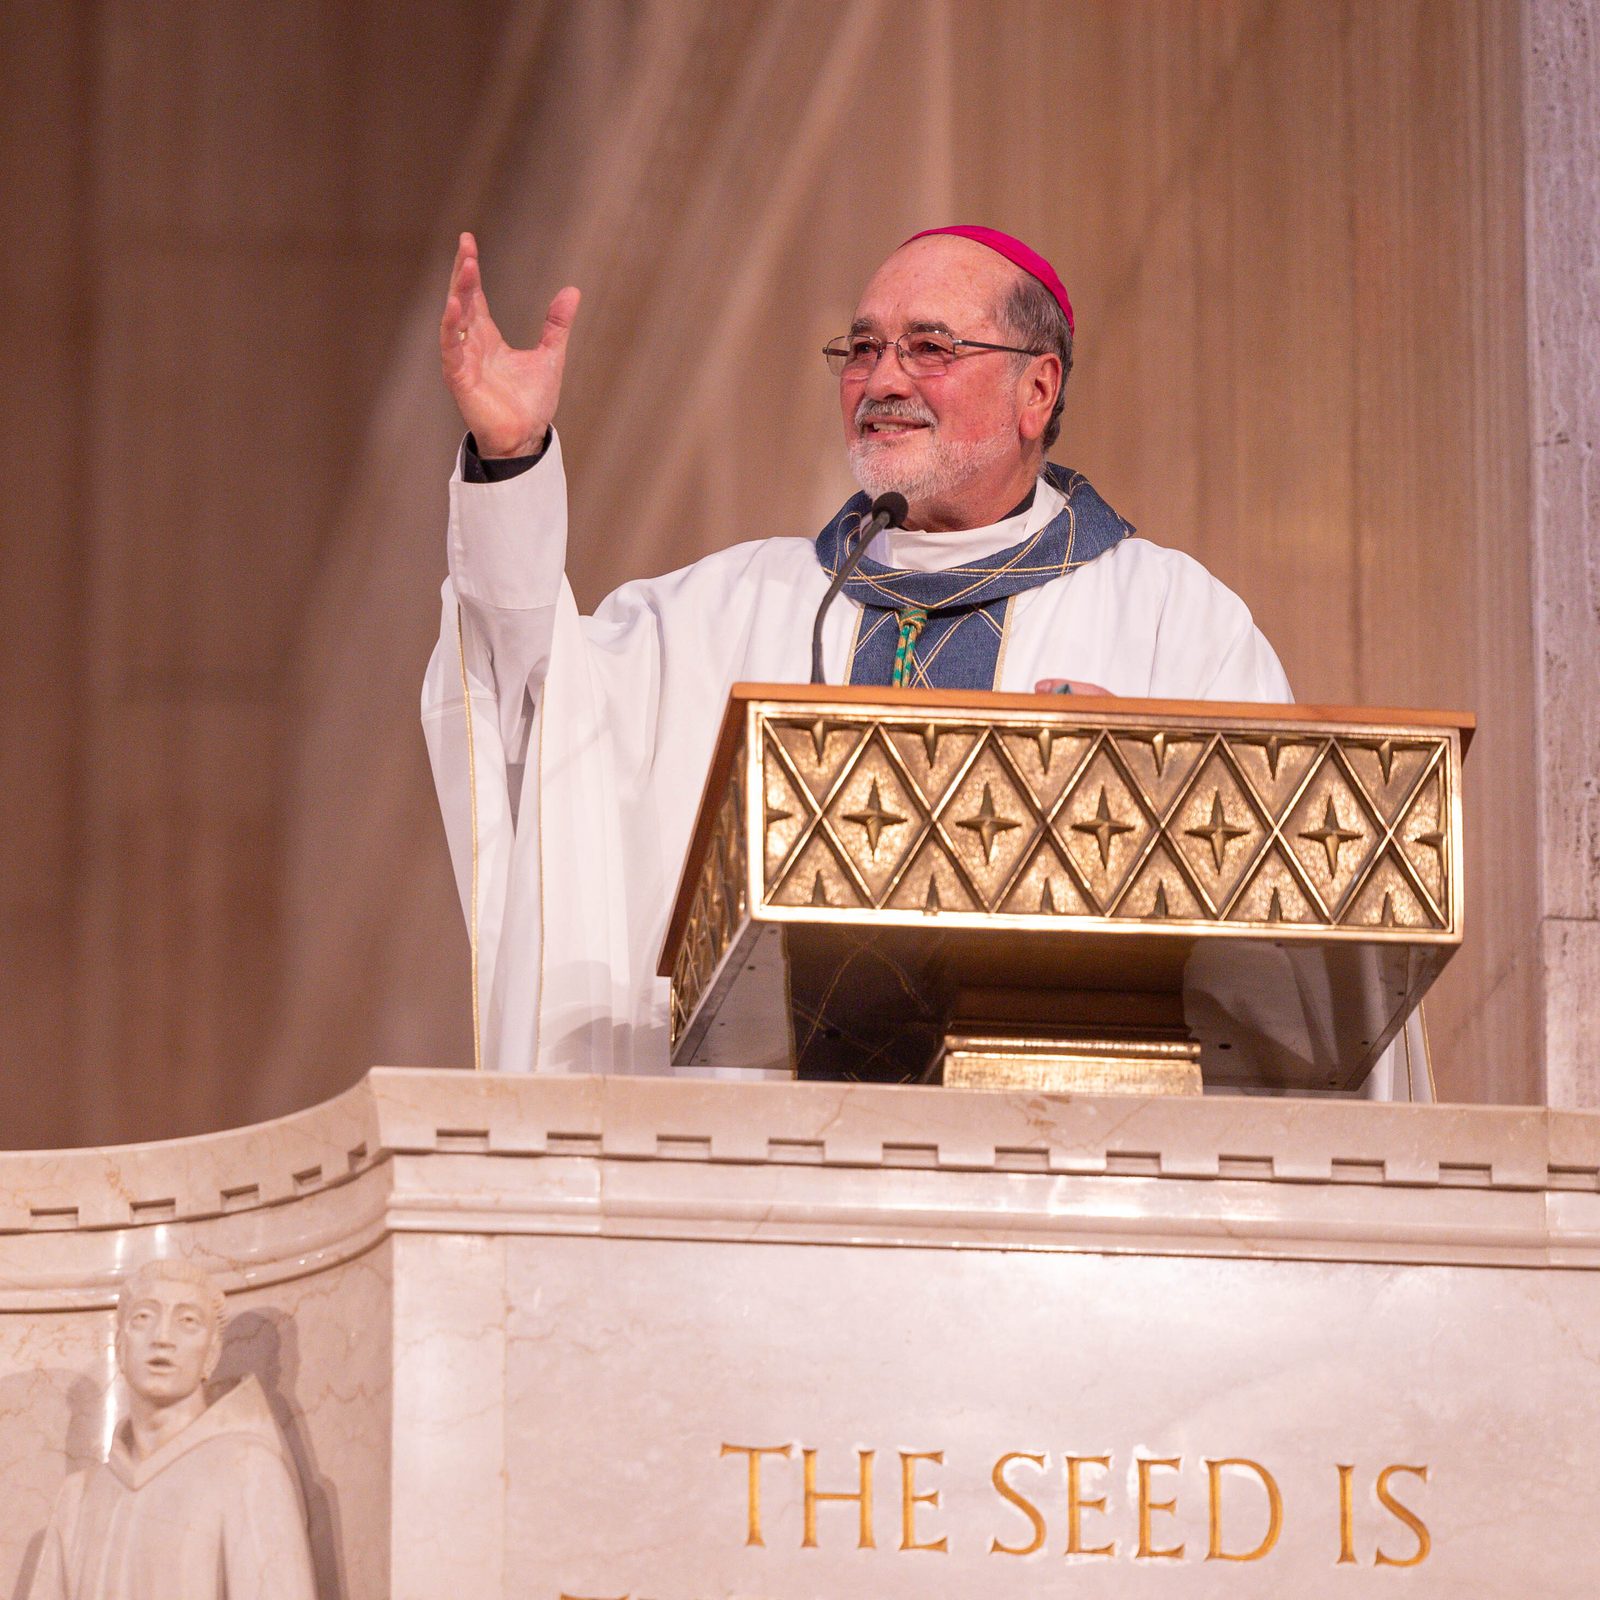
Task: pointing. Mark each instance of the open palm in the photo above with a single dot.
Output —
(506, 396)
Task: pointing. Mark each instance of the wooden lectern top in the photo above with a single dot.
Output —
(1048, 709)
(1051, 844)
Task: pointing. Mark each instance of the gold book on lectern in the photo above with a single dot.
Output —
(1064, 893)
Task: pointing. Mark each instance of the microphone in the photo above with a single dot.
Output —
(888, 511)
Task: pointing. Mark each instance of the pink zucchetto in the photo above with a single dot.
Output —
(1018, 254)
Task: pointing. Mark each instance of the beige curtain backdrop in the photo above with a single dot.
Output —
(1292, 229)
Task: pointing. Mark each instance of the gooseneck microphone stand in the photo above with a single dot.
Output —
(888, 511)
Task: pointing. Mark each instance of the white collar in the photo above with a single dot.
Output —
(911, 551)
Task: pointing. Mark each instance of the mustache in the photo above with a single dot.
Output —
(907, 410)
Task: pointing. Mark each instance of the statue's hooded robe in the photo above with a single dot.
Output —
(214, 1514)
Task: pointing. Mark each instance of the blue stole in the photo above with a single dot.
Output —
(959, 646)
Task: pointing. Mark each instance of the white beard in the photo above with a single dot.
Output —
(931, 472)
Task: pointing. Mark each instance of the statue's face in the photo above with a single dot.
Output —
(166, 1342)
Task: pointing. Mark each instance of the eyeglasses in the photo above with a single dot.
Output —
(920, 354)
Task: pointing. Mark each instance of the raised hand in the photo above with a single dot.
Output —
(507, 397)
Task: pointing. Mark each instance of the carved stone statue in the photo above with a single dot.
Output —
(198, 1501)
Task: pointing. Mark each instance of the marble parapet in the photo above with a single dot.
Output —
(657, 1158)
(517, 1332)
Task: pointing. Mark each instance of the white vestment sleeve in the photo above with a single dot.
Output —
(507, 596)
(1207, 646)
(506, 545)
